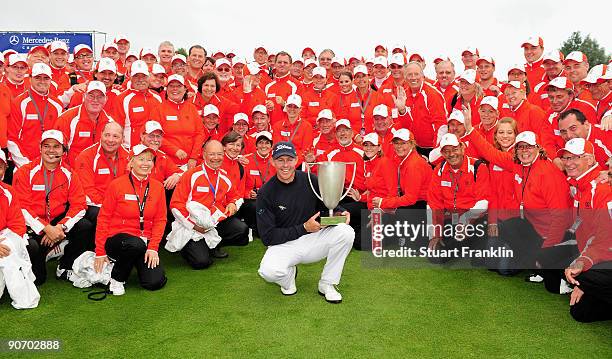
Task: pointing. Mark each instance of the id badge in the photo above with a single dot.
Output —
(362, 132)
(455, 218)
(522, 209)
(576, 225)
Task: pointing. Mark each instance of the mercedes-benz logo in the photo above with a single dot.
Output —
(14, 40)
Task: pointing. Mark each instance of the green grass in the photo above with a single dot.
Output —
(228, 311)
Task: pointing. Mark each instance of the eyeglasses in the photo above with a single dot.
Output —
(525, 147)
(85, 56)
(451, 150)
(20, 68)
(224, 69)
(96, 97)
(325, 58)
(571, 158)
(154, 137)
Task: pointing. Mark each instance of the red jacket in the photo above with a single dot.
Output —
(348, 154)
(5, 110)
(17, 89)
(258, 171)
(234, 173)
(283, 87)
(25, 128)
(314, 101)
(593, 204)
(194, 185)
(120, 213)
(414, 175)
(227, 109)
(448, 92)
(358, 109)
(300, 134)
(60, 79)
(80, 131)
(133, 110)
(96, 171)
(322, 145)
(111, 100)
(427, 113)
(602, 144)
(65, 189)
(379, 181)
(183, 129)
(10, 211)
(531, 118)
(603, 106)
(587, 109)
(535, 71)
(164, 167)
(474, 106)
(457, 191)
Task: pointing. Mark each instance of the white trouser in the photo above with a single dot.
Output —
(16, 272)
(333, 243)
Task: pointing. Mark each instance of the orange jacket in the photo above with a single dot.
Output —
(132, 110)
(197, 185)
(10, 211)
(457, 191)
(321, 145)
(604, 105)
(17, 89)
(183, 129)
(283, 87)
(120, 212)
(314, 101)
(111, 100)
(552, 122)
(234, 173)
(257, 172)
(378, 179)
(593, 203)
(427, 114)
(64, 191)
(227, 109)
(602, 144)
(80, 131)
(348, 154)
(535, 72)
(60, 79)
(300, 134)
(96, 171)
(25, 128)
(448, 92)
(164, 167)
(414, 175)
(5, 110)
(358, 109)
(531, 118)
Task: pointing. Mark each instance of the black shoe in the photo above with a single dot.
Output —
(218, 253)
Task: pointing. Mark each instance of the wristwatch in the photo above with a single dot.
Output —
(64, 228)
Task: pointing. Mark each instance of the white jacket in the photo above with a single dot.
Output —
(16, 272)
(180, 235)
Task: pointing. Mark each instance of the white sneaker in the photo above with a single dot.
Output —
(250, 235)
(534, 278)
(292, 289)
(564, 287)
(116, 287)
(63, 274)
(330, 293)
(56, 251)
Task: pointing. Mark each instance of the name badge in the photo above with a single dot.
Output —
(104, 171)
(320, 152)
(138, 109)
(171, 118)
(31, 116)
(445, 183)
(518, 179)
(285, 133)
(312, 104)
(271, 95)
(543, 96)
(84, 134)
(38, 187)
(557, 132)
(131, 197)
(355, 104)
(387, 90)
(254, 172)
(497, 168)
(394, 113)
(202, 189)
(576, 203)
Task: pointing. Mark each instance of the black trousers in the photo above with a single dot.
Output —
(247, 213)
(128, 251)
(80, 239)
(359, 214)
(596, 302)
(451, 243)
(522, 238)
(233, 232)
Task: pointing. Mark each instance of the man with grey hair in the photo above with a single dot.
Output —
(445, 81)
(165, 52)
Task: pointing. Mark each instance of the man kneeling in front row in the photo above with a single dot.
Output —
(287, 212)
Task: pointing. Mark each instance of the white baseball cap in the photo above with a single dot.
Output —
(381, 110)
(554, 56)
(360, 69)
(343, 122)
(238, 60)
(121, 37)
(176, 77)
(147, 51)
(40, 68)
(179, 57)
(139, 67)
(58, 45)
(109, 45)
(337, 60)
(595, 74)
(534, 41)
(397, 59)
(241, 116)
(222, 61)
(82, 47)
(140, 148)
(210, 109)
(254, 68)
(325, 113)
(294, 100)
(158, 70)
(488, 59)
(310, 61)
(471, 49)
(491, 101)
(152, 126)
(320, 71)
(131, 53)
(516, 66)
(259, 108)
(577, 56)
(578, 147)
(265, 134)
(456, 115)
(17, 58)
(449, 139)
(560, 82)
(372, 138)
(3, 157)
(380, 60)
(527, 137)
(107, 64)
(403, 134)
(54, 135)
(469, 76)
(96, 85)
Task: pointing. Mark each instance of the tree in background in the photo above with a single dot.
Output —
(182, 51)
(590, 47)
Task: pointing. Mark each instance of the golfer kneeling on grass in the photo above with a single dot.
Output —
(287, 212)
(131, 223)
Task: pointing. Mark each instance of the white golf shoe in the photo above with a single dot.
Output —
(330, 293)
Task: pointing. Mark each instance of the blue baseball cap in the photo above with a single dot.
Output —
(283, 149)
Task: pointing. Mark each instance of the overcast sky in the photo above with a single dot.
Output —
(497, 28)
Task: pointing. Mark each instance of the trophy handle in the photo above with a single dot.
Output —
(352, 179)
(310, 179)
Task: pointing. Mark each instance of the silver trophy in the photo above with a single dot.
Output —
(331, 185)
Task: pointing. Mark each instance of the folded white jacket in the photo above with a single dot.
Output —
(200, 215)
(84, 274)
(16, 272)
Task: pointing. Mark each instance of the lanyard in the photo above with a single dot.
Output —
(141, 205)
(399, 188)
(114, 165)
(455, 185)
(363, 106)
(41, 118)
(48, 187)
(265, 177)
(523, 185)
(213, 189)
(294, 132)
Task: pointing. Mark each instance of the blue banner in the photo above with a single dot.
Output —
(23, 41)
